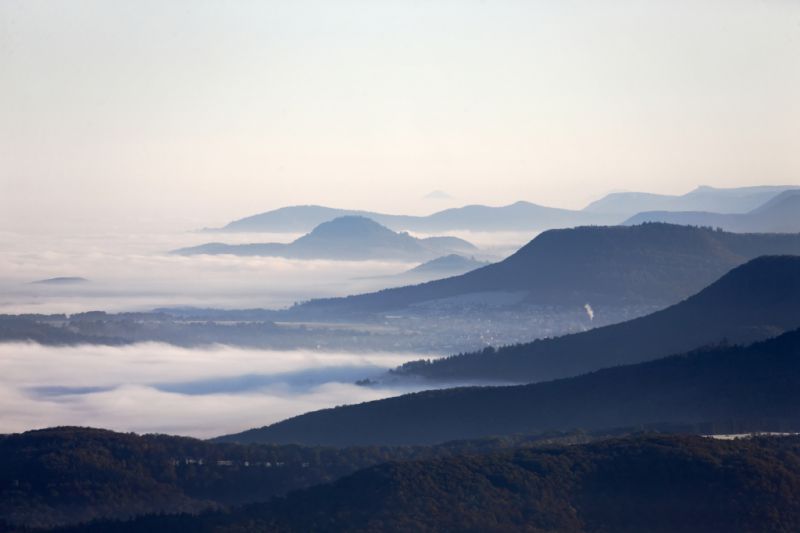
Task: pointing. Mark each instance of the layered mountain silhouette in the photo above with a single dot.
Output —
(780, 214)
(736, 388)
(704, 198)
(346, 238)
(752, 302)
(519, 216)
(649, 264)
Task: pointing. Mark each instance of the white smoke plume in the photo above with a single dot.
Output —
(589, 311)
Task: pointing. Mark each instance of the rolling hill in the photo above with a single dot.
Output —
(656, 484)
(724, 389)
(650, 264)
(780, 214)
(66, 475)
(345, 238)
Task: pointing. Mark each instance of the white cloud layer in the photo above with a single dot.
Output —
(135, 272)
(153, 387)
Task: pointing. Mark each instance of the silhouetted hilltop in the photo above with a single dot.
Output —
(519, 216)
(655, 483)
(781, 214)
(447, 265)
(651, 264)
(728, 389)
(67, 280)
(345, 238)
(704, 198)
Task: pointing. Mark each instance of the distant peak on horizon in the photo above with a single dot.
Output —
(61, 280)
(437, 195)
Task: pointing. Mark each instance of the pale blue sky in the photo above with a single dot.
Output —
(184, 113)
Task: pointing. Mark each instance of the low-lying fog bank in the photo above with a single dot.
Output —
(151, 387)
(136, 273)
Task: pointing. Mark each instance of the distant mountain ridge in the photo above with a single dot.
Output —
(742, 389)
(652, 264)
(704, 198)
(345, 238)
(519, 216)
(780, 214)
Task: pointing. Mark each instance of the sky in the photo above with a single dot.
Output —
(131, 116)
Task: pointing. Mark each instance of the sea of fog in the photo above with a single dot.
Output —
(152, 387)
(135, 272)
(161, 388)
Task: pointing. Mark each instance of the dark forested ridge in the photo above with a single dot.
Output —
(653, 264)
(653, 484)
(726, 389)
(69, 475)
(752, 302)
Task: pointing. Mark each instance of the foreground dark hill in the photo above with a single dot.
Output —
(704, 198)
(68, 475)
(346, 238)
(650, 264)
(756, 388)
(779, 215)
(653, 484)
(519, 216)
(755, 301)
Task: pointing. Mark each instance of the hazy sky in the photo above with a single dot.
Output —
(121, 114)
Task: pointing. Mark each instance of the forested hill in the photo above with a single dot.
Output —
(654, 484)
(652, 264)
(67, 475)
(752, 388)
(754, 301)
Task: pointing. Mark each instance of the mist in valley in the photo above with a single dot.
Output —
(152, 387)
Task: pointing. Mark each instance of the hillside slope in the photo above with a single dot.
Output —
(752, 302)
(655, 484)
(650, 264)
(725, 389)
